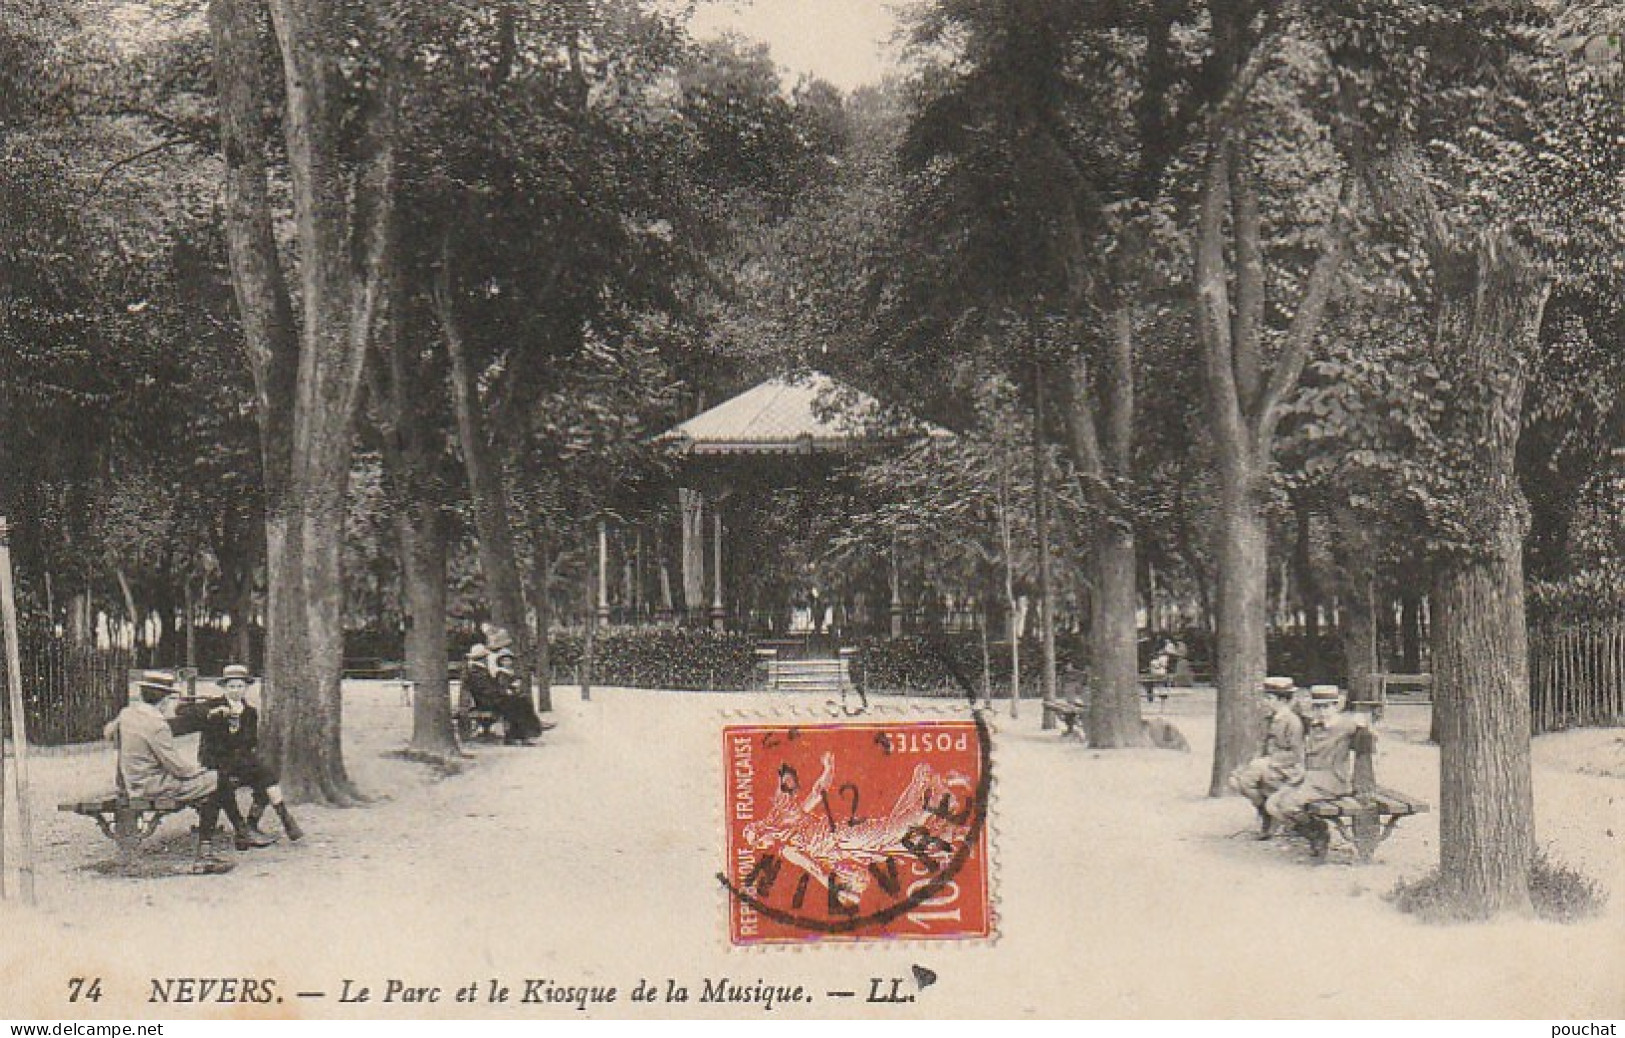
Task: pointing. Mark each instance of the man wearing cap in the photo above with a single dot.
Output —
(1280, 762)
(152, 766)
(1328, 767)
(230, 743)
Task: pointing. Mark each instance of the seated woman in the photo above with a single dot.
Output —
(489, 682)
(520, 723)
(230, 744)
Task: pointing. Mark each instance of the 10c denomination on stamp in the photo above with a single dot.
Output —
(859, 831)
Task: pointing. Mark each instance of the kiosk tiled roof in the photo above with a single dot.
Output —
(784, 415)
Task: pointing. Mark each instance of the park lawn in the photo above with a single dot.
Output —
(1122, 891)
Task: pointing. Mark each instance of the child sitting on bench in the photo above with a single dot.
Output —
(230, 743)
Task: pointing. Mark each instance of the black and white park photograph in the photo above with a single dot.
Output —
(882, 510)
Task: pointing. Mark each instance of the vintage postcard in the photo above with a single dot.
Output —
(812, 509)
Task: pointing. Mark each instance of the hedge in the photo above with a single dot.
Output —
(951, 665)
(697, 658)
(693, 658)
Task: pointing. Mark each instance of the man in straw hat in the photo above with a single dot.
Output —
(151, 765)
(1328, 767)
(230, 743)
(1280, 759)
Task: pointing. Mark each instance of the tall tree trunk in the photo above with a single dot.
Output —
(1100, 426)
(79, 628)
(541, 594)
(1150, 601)
(1241, 603)
(1245, 401)
(1114, 709)
(420, 530)
(408, 412)
(307, 378)
(1410, 632)
(1046, 591)
(1013, 625)
(1387, 630)
(264, 306)
(589, 632)
(987, 658)
(1360, 645)
(163, 610)
(130, 608)
(1356, 555)
(482, 461)
(1360, 639)
(667, 608)
(1308, 592)
(341, 223)
(691, 504)
(1490, 299)
(242, 620)
(239, 555)
(190, 606)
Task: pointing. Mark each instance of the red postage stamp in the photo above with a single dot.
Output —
(857, 831)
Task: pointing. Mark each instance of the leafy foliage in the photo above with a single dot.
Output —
(1587, 597)
(661, 657)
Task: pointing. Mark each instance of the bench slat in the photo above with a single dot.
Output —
(1386, 802)
(111, 804)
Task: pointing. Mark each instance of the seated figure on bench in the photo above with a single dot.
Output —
(230, 744)
(1328, 761)
(488, 680)
(152, 767)
(1280, 761)
(500, 645)
(520, 716)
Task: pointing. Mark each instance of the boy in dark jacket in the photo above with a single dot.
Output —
(230, 744)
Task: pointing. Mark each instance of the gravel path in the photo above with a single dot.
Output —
(590, 860)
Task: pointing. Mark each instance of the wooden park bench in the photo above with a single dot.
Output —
(1069, 714)
(471, 721)
(1388, 688)
(1159, 688)
(476, 722)
(371, 668)
(1370, 814)
(128, 821)
(1152, 684)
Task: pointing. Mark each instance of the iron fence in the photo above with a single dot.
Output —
(70, 691)
(1577, 676)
